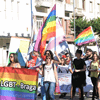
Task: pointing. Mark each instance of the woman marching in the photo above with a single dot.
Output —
(78, 76)
(94, 74)
(62, 69)
(14, 61)
(49, 72)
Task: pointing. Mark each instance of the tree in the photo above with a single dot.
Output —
(81, 24)
(96, 25)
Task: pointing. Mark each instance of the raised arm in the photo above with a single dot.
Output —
(55, 61)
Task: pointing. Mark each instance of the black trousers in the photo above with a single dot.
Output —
(95, 89)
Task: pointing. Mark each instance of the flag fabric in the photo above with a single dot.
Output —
(35, 31)
(85, 37)
(47, 30)
(18, 84)
(59, 41)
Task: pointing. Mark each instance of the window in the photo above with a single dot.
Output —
(41, 9)
(67, 14)
(12, 3)
(18, 9)
(39, 22)
(83, 4)
(91, 7)
(5, 8)
(98, 7)
(60, 0)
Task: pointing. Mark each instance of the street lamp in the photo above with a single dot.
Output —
(74, 23)
(74, 18)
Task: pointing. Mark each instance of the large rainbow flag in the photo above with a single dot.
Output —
(85, 37)
(47, 30)
(18, 84)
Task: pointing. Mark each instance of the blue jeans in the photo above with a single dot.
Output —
(49, 89)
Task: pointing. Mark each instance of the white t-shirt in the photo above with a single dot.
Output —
(49, 73)
(62, 69)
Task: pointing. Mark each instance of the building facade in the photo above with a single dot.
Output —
(15, 18)
(64, 8)
(88, 9)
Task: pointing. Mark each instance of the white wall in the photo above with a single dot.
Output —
(94, 13)
(16, 18)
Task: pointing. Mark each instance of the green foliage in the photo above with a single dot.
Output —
(81, 24)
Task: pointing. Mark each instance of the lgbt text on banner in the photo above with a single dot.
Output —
(18, 84)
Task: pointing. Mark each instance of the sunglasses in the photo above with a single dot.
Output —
(11, 56)
(48, 58)
(47, 53)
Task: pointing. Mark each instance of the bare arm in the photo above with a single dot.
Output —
(56, 75)
(81, 70)
(18, 65)
(71, 71)
(57, 57)
(70, 66)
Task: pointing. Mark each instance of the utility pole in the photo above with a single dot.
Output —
(74, 23)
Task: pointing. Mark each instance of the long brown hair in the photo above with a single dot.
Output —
(96, 55)
(64, 61)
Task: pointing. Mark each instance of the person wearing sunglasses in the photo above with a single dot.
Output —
(13, 61)
(67, 58)
(48, 70)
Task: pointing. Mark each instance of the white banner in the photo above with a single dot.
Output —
(65, 82)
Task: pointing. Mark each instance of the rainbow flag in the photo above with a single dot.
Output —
(47, 30)
(18, 84)
(85, 37)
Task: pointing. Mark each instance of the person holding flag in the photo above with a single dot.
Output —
(33, 58)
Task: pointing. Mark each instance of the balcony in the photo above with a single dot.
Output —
(60, 0)
(79, 12)
(44, 3)
(69, 7)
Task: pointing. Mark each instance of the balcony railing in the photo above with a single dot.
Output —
(45, 3)
(79, 11)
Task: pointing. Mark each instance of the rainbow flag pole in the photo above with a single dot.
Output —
(47, 31)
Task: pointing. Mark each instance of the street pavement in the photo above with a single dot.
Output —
(68, 97)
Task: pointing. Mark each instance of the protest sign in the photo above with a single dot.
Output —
(20, 47)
